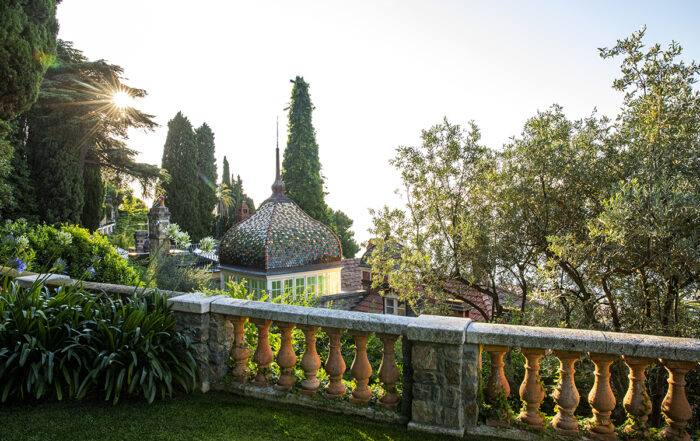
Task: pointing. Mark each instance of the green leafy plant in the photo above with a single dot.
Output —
(70, 342)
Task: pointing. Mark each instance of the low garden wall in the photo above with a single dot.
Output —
(441, 368)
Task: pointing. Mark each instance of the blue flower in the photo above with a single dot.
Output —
(90, 272)
(18, 264)
(9, 239)
(60, 266)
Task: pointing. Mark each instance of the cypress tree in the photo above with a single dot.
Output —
(27, 47)
(206, 182)
(301, 168)
(180, 160)
(226, 174)
(94, 193)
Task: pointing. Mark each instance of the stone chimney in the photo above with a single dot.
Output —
(243, 212)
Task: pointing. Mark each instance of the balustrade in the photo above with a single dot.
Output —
(440, 380)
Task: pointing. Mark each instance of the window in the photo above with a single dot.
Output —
(299, 288)
(389, 306)
(276, 288)
(311, 285)
(289, 288)
(394, 307)
(321, 285)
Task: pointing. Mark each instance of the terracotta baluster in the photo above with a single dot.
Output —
(531, 391)
(310, 361)
(497, 388)
(566, 396)
(601, 399)
(675, 407)
(637, 402)
(389, 372)
(240, 351)
(361, 370)
(286, 358)
(335, 365)
(263, 355)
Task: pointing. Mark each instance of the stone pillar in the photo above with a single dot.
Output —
(445, 375)
(192, 314)
(158, 221)
(140, 237)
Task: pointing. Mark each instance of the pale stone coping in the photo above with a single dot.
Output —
(578, 340)
(29, 280)
(304, 315)
(56, 280)
(427, 328)
(438, 329)
(195, 303)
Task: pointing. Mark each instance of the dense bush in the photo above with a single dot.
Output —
(68, 250)
(70, 343)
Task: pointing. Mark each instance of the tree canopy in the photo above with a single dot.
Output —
(587, 223)
(75, 124)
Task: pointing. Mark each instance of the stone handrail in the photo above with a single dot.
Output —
(441, 367)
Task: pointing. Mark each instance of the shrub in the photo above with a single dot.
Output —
(70, 250)
(71, 343)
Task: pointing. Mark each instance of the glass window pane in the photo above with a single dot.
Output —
(311, 285)
(321, 285)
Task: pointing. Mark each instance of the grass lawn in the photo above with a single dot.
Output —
(214, 416)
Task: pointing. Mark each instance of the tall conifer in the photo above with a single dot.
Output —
(226, 174)
(206, 182)
(301, 168)
(180, 160)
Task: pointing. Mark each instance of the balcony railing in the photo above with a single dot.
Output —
(441, 368)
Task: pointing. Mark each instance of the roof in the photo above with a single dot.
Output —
(279, 235)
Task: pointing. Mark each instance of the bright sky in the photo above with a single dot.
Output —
(379, 72)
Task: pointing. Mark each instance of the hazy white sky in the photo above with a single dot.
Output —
(380, 71)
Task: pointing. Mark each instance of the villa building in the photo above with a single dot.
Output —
(282, 250)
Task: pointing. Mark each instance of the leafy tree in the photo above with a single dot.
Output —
(75, 124)
(27, 48)
(301, 167)
(445, 235)
(206, 181)
(93, 209)
(180, 156)
(643, 244)
(342, 224)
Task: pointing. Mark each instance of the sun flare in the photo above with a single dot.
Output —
(122, 99)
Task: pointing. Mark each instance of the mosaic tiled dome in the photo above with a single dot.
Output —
(279, 235)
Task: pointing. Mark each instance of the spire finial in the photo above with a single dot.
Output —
(278, 186)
